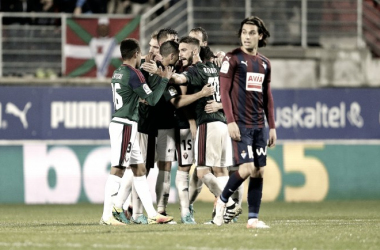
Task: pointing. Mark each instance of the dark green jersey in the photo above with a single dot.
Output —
(147, 116)
(128, 85)
(198, 75)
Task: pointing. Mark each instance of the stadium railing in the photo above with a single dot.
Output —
(25, 48)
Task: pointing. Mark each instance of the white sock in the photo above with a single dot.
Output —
(222, 181)
(125, 188)
(138, 208)
(182, 183)
(162, 190)
(142, 189)
(111, 189)
(128, 201)
(195, 187)
(212, 183)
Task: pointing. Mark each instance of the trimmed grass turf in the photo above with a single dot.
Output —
(324, 225)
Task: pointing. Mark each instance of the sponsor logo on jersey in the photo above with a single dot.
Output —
(225, 67)
(172, 91)
(254, 81)
(147, 89)
(117, 76)
(244, 62)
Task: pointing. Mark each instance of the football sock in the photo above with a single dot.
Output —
(212, 183)
(255, 192)
(233, 183)
(138, 208)
(237, 196)
(195, 187)
(111, 189)
(125, 188)
(222, 181)
(142, 189)
(128, 201)
(162, 190)
(182, 183)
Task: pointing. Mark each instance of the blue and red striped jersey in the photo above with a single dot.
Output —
(245, 89)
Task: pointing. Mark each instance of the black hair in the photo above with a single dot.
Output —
(203, 31)
(254, 20)
(190, 40)
(206, 54)
(164, 33)
(128, 47)
(169, 47)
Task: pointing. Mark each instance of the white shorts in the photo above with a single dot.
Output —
(125, 148)
(166, 145)
(213, 147)
(185, 147)
(148, 149)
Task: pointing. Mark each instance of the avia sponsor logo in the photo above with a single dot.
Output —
(319, 116)
(73, 115)
(14, 110)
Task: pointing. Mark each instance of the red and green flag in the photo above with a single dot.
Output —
(89, 52)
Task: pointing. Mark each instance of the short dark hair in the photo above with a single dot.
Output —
(154, 35)
(254, 20)
(169, 47)
(190, 40)
(203, 31)
(128, 47)
(164, 33)
(206, 53)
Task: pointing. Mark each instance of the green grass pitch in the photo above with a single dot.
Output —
(294, 226)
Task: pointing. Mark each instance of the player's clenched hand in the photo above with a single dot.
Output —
(272, 138)
(234, 131)
(150, 67)
(167, 72)
(212, 106)
(207, 90)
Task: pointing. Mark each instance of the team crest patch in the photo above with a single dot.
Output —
(243, 154)
(185, 155)
(172, 91)
(147, 89)
(225, 67)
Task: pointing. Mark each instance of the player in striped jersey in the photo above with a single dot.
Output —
(128, 86)
(245, 78)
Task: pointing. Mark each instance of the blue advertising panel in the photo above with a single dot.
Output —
(82, 113)
(55, 113)
(327, 113)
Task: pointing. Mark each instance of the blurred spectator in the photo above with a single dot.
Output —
(119, 7)
(82, 6)
(90, 6)
(139, 7)
(15, 6)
